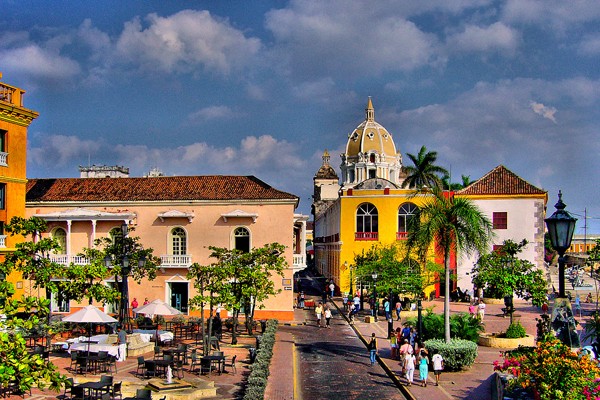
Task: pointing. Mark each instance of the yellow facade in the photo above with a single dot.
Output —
(14, 121)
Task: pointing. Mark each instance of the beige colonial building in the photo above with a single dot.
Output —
(178, 217)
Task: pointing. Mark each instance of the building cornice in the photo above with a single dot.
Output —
(17, 115)
(171, 203)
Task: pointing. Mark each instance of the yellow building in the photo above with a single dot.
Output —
(14, 121)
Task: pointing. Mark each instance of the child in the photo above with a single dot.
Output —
(472, 310)
(423, 367)
(409, 367)
(438, 365)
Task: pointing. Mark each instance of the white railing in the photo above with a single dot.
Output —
(2, 241)
(299, 259)
(176, 261)
(3, 159)
(67, 259)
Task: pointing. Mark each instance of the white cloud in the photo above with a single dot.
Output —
(184, 41)
(212, 112)
(56, 151)
(39, 63)
(590, 45)
(551, 14)
(495, 37)
(544, 111)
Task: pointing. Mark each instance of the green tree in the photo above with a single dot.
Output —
(448, 223)
(503, 274)
(424, 172)
(17, 365)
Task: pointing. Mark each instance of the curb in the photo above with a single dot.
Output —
(380, 360)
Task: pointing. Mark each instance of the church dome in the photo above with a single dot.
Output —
(370, 139)
(326, 171)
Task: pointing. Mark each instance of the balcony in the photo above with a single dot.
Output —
(176, 261)
(67, 259)
(2, 241)
(3, 159)
(366, 236)
(10, 94)
(401, 235)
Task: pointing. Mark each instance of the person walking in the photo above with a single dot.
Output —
(438, 366)
(356, 301)
(327, 316)
(332, 289)
(122, 342)
(481, 310)
(423, 362)
(146, 301)
(319, 312)
(472, 310)
(386, 309)
(134, 305)
(398, 310)
(409, 367)
(351, 313)
(301, 300)
(372, 346)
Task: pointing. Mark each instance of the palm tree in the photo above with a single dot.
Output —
(449, 223)
(447, 185)
(424, 172)
(466, 180)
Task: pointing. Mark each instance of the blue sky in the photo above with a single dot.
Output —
(262, 88)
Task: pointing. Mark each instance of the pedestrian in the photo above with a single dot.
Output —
(409, 367)
(404, 350)
(588, 298)
(481, 310)
(134, 305)
(406, 332)
(398, 334)
(327, 316)
(146, 301)
(332, 289)
(356, 301)
(386, 309)
(423, 362)
(351, 313)
(393, 345)
(122, 342)
(438, 366)
(372, 346)
(345, 301)
(398, 310)
(472, 310)
(319, 312)
(324, 294)
(412, 337)
(301, 301)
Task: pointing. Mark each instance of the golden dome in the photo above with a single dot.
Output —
(370, 138)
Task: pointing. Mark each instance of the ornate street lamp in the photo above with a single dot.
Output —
(123, 260)
(561, 226)
(375, 305)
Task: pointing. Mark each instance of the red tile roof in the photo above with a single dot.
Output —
(164, 188)
(500, 181)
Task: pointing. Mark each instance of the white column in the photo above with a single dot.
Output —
(93, 233)
(69, 237)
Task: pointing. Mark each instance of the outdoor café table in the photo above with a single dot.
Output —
(95, 387)
(160, 366)
(177, 354)
(95, 348)
(215, 360)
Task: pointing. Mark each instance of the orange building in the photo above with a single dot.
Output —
(14, 121)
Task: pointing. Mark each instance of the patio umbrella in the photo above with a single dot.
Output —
(157, 307)
(90, 314)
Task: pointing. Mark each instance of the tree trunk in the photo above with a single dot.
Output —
(447, 295)
(236, 311)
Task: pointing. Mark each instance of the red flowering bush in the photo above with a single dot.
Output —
(552, 371)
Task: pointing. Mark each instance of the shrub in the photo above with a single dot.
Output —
(462, 326)
(457, 354)
(257, 381)
(515, 331)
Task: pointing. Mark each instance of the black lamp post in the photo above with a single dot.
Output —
(375, 305)
(351, 281)
(419, 318)
(561, 226)
(123, 260)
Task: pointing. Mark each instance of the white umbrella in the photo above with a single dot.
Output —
(90, 314)
(157, 307)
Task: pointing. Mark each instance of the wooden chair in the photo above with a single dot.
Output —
(157, 353)
(141, 364)
(103, 361)
(230, 365)
(195, 361)
(178, 369)
(116, 391)
(73, 360)
(143, 394)
(77, 393)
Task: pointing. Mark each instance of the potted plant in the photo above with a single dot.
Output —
(178, 320)
(159, 320)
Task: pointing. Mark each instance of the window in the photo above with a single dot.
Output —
(60, 235)
(372, 174)
(178, 242)
(405, 213)
(2, 141)
(500, 220)
(366, 222)
(241, 237)
(2, 196)
(116, 234)
(60, 303)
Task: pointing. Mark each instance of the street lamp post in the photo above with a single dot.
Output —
(419, 318)
(375, 305)
(123, 260)
(561, 226)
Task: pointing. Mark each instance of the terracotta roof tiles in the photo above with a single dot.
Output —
(209, 187)
(500, 181)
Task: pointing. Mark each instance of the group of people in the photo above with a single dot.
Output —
(477, 309)
(323, 311)
(410, 356)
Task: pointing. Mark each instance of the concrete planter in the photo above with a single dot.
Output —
(492, 340)
(493, 301)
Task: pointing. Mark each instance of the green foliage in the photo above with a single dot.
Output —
(457, 354)
(257, 381)
(503, 274)
(592, 327)
(462, 326)
(423, 172)
(515, 331)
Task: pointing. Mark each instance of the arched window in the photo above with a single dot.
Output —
(241, 238)
(367, 222)
(60, 235)
(178, 242)
(405, 213)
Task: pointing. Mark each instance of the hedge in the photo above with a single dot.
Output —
(457, 354)
(259, 370)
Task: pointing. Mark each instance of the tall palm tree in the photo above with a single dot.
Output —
(424, 172)
(449, 223)
(466, 180)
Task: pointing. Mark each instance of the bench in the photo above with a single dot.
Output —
(136, 346)
(310, 304)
